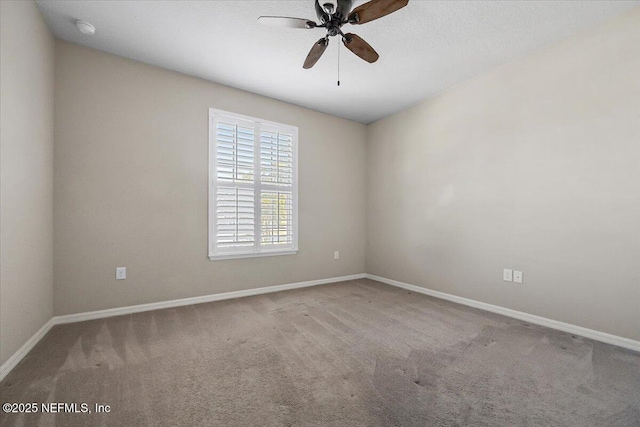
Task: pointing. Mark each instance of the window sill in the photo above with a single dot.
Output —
(252, 255)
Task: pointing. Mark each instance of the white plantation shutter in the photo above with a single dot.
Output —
(276, 157)
(253, 189)
(276, 218)
(235, 217)
(235, 152)
(276, 172)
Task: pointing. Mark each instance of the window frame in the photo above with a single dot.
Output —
(257, 185)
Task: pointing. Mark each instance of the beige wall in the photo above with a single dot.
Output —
(533, 166)
(26, 168)
(130, 186)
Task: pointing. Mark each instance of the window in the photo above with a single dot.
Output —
(253, 201)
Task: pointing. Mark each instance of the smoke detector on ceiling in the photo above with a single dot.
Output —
(85, 27)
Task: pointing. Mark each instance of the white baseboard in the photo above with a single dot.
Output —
(24, 350)
(80, 317)
(531, 318)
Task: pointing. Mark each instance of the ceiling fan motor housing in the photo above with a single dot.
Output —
(333, 20)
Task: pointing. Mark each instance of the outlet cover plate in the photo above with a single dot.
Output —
(517, 276)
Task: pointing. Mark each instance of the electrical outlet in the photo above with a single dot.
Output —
(517, 276)
(336, 255)
(121, 273)
(507, 275)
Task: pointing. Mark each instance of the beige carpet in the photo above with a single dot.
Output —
(357, 353)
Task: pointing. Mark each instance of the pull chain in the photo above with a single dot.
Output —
(338, 64)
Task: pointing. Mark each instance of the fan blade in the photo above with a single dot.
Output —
(355, 44)
(285, 22)
(375, 9)
(315, 53)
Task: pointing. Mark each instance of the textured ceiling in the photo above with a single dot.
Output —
(424, 48)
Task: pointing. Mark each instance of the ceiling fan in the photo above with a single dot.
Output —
(333, 18)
